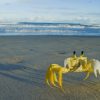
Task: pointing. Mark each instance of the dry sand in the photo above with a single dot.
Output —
(25, 59)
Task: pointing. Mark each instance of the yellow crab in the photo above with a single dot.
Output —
(72, 64)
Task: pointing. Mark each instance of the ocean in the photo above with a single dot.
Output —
(29, 28)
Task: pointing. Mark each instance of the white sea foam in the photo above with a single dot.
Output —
(49, 29)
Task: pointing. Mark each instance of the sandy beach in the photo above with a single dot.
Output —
(25, 59)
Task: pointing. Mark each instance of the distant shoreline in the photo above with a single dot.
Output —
(49, 35)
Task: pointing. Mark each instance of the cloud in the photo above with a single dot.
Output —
(51, 17)
(7, 1)
(49, 10)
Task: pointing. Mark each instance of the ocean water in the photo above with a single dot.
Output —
(29, 28)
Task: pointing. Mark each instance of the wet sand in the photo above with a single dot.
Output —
(25, 59)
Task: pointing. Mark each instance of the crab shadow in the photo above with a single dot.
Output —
(25, 74)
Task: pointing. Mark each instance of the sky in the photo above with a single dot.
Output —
(66, 11)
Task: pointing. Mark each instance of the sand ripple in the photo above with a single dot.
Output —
(12, 59)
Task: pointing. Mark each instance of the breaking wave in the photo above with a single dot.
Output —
(28, 28)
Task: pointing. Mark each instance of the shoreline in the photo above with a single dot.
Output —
(50, 35)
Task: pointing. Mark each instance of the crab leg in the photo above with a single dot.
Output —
(52, 72)
(60, 79)
(55, 77)
(51, 76)
(88, 74)
(47, 77)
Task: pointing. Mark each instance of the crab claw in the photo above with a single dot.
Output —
(96, 65)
